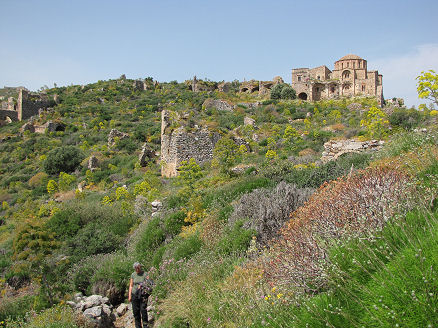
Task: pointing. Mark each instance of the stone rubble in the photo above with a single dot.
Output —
(336, 148)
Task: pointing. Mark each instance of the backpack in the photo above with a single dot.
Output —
(144, 289)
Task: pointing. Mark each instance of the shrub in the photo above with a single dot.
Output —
(37, 180)
(173, 222)
(184, 248)
(235, 239)
(346, 208)
(405, 118)
(63, 159)
(93, 239)
(151, 238)
(266, 210)
(65, 223)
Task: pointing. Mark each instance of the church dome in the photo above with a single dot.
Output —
(349, 57)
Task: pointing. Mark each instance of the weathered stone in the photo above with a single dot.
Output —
(241, 168)
(100, 100)
(51, 126)
(115, 134)
(121, 309)
(93, 163)
(335, 148)
(28, 127)
(248, 121)
(147, 153)
(177, 145)
(217, 104)
(224, 87)
(139, 85)
(156, 204)
(71, 304)
(92, 301)
(278, 80)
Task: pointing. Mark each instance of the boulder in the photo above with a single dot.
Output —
(248, 121)
(114, 133)
(122, 309)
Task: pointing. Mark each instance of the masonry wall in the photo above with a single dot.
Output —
(178, 145)
(12, 114)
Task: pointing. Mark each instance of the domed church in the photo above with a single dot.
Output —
(349, 78)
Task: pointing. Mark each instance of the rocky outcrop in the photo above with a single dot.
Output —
(97, 309)
(115, 134)
(336, 148)
(28, 127)
(218, 104)
(248, 121)
(139, 85)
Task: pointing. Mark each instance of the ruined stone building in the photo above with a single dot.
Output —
(27, 105)
(178, 145)
(349, 78)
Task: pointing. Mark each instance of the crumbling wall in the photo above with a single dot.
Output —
(178, 145)
(29, 104)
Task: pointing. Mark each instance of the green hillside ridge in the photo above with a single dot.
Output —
(287, 240)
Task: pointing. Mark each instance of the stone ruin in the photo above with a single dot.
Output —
(28, 104)
(263, 88)
(335, 148)
(178, 145)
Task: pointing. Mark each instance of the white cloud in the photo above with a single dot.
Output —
(399, 72)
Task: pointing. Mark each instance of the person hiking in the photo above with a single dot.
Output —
(138, 300)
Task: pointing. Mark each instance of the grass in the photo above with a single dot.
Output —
(388, 281)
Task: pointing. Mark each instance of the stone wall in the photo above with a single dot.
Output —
(12, 114)
(178, 145)
(29, 104)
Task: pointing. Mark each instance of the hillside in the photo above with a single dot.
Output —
(279, 228)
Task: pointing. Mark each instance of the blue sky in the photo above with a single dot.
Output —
(78, 42)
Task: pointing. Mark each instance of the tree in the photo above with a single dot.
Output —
(427, 86)
(283, 91)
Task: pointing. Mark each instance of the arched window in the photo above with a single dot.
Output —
(346, 74)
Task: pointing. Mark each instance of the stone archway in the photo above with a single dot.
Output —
(302, 96)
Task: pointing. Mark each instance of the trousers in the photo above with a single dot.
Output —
(140, 312)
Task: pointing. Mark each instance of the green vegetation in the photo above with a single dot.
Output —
(239, 241)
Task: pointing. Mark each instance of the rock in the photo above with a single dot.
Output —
(122, 309)
(354, 106)
(93, 163)
(156, 204)
(335, 148)
(241, 168)
(100, 100)
(248, 121)
(92, 301)
(218, 104)
(28, 127)
(82, 185)
(71, 303)
(241, 141)
(255, 137)
(115, 134)
(94, 312)
(309, 114)
(146, 154)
